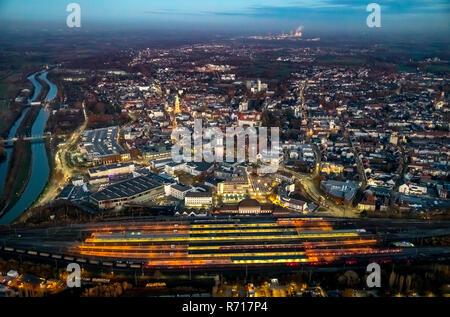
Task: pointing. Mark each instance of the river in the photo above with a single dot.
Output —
(40, 170)
(13, 131)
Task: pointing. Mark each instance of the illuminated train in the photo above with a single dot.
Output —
(232, 243)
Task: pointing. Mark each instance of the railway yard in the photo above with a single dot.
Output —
(228, 244)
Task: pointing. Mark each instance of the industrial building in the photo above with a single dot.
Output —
(110, 173)
(101, 146)
(113, 169)
(132, 191)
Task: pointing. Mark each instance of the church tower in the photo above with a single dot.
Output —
(177, 105)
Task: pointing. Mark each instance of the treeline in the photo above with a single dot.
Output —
(19, 165)
(101, 114)
(18, 174)
(14, 83)
(2, 152)
(25, 127)
(65, 121)
(44, 90)
(66, 212)
(112, 290)
(430, 282)
(285, 120)
(59, 211)
(41, 270)
(404, 280)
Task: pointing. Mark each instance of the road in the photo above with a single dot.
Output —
(314, 193)
(307, 181)
(30, 138)
(61, 165)
(354, 145)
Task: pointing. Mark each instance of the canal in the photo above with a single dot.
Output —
(13, 131)
(40, 170)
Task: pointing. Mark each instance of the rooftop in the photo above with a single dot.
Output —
(129, 187)
(102, 142)
(109, 167)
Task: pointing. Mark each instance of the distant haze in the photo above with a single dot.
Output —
(410, 18)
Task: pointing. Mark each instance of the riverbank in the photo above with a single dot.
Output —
(9, 115)
(55, 177)
(45, 88)
(2, 153)
(19, 170)
(18, 176)
(10, 111)
(36, 164)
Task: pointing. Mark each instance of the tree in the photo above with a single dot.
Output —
(408, 283)
(352, 278)
(2, 151)
(392, 279)
(400, 283)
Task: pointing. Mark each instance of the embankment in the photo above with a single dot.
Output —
(19, 168)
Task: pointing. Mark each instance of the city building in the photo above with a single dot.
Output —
(161, 162)
(198, 199)
(344, 191)
(132, 191)
(235, 189)
(329, 168)
(176, 190)
(111, 170)
(246, 207)
(412, 189)
(101, 146)
(296, 204)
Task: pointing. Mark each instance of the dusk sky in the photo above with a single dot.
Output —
(235, 15)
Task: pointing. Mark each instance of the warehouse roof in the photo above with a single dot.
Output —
(129, 187)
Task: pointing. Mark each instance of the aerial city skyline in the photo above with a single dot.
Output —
(219, 149)
(420, 16)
